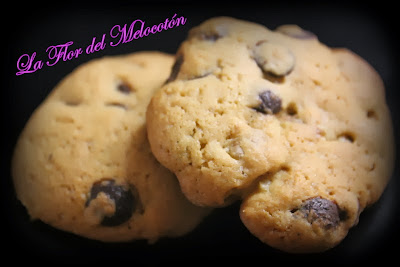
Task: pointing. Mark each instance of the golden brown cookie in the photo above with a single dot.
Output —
(297, 130)
(83, 163)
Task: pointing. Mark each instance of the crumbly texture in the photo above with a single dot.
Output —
(299, 131)
(83, 163)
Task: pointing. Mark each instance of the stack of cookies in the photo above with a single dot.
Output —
(143, 146)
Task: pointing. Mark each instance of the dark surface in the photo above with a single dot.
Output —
(367, 29)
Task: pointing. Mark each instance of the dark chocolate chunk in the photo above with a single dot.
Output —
(175, 68)
(124, 88)
(210, 36)
(270, 103)
(273, 59)
(123, 198)
(322, 211)
(273, 78)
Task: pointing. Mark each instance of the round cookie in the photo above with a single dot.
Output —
(83, 163)
(299, 131)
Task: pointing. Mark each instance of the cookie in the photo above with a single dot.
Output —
(83, 163)
(298, 131)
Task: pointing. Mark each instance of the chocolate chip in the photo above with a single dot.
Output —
(273, 59)
(124, 88)
(321, 211)
(175, 68)
(273, 78)
(296, 32)
(122, 197)
(210, 36)
(270, 103)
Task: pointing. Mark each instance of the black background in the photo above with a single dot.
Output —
(369, 29)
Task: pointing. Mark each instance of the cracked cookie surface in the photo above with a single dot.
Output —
(299, 131)
(83, 163)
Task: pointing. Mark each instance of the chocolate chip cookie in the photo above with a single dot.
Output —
(83, 163)
(298, 131)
